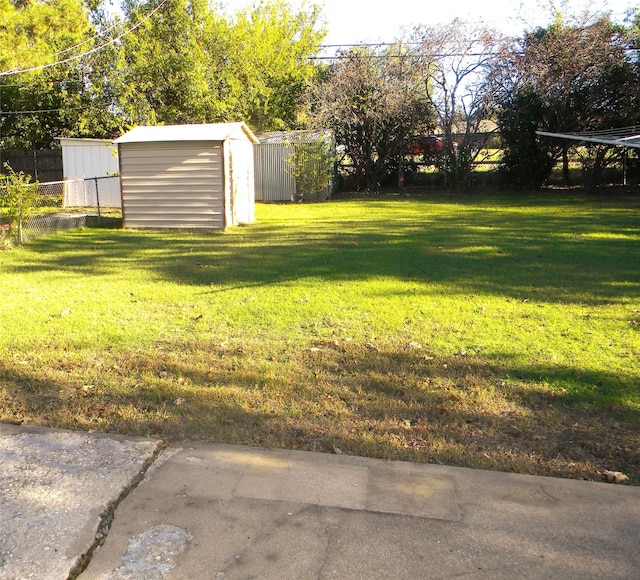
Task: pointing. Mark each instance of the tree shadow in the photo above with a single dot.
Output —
(394, 402)
(590, 256)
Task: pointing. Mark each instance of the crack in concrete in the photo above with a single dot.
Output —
(106, 517)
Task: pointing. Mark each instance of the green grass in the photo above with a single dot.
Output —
(497, 332)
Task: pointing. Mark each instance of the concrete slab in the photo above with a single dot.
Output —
(54, 486)
(225, 512)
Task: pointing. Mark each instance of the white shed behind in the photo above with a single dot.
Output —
(84, 159)
(187, 176)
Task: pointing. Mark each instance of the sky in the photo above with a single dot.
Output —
(355, 21)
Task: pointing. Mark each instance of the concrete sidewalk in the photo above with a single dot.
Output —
(226, 512)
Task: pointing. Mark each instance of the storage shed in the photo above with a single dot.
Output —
(187, 176)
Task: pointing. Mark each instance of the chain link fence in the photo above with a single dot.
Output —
(68, 205)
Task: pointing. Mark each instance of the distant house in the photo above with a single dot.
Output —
(274, 177)
(187, 176)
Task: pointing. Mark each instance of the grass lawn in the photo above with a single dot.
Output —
(493, 332)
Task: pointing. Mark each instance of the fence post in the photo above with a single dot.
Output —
(95, 179)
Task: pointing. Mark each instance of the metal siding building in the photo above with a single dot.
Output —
(187, 176)
(274, 179)
(87, 159)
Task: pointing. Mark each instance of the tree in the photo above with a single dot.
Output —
(162, 70)
(39, 34)
(270, 63)
(526, 160)
(580, 77)
(454, 61)
(179, 61)
(39, 106)
(33, 33)
(372, 102)
(190, 63)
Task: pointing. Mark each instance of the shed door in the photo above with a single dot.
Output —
(242, 185)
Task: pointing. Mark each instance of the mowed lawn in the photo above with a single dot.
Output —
(492, 332)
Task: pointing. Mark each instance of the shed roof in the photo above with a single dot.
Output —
(195, 132)
(83, 141)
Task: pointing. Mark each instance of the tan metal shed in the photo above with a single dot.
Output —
(187, 176)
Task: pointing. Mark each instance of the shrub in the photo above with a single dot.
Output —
(17, 200)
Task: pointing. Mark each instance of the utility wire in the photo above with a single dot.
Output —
(99, 34)
(88, 52)
(7, 113)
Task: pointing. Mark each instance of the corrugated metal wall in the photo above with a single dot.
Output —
(273, 179)
(85, 158)
(172, 184)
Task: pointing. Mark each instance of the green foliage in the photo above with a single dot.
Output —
(526, 163)
(17, 200)
(190, 63)
(163, 65)
(313, 167)
(372, 102)
(564, 78)
(34, 33)
(270, 60)
(31, 32)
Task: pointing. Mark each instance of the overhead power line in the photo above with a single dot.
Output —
(36, 111)
(88, 52)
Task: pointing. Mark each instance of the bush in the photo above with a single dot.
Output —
(17, 200)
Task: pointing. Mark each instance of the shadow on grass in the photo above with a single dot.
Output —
(396, 404)
(581, 253)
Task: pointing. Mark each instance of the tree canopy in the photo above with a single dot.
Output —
(564, 78)
(33, 32)
(159, 61)
(372, 101)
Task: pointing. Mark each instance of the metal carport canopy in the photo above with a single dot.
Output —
(614, 138)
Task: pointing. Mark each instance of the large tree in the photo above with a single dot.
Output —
(33, 32)
(565, 78)
(46, 37)
(454, 61)
(193, 63)
(162, 69)
(270, 61)
(176, 61)
(373, 102)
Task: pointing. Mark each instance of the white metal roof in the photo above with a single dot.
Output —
(83, 141)
(201, 132)
(624, 137)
